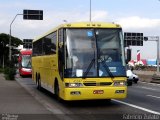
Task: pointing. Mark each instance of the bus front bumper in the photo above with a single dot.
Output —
(95, 93)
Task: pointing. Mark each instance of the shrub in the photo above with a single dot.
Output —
(155, 77)
(1, 70)
(10, 71)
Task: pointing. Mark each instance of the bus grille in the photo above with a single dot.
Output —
(98, 84)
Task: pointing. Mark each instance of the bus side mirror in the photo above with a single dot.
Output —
(128, 57)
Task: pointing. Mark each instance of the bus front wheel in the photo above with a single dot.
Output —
(56, 89)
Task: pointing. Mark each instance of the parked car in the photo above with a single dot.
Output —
(131, 77)
(135, 78)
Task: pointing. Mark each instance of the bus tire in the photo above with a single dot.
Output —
(21, 75)
(56, 90)
(108, 101)
(38, 82)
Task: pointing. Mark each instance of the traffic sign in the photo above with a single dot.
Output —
(33, 14)
(133, 39)
(27, 43)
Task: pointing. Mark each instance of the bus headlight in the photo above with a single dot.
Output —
(119, 83)
(73, 84)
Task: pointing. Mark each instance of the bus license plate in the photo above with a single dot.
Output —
(98, 92)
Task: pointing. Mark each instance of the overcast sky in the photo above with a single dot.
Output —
(133, 15)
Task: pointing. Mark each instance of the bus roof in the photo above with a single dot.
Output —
(82, 25)
(26, 52)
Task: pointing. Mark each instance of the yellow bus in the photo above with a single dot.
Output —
(81, 61)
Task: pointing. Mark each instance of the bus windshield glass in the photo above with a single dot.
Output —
(26, 61)
(94, 53)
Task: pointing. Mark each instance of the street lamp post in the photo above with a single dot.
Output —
(154, 38)
(3, 55)
(28, 15)
(10, 39)
(90, 11)
(157, 53)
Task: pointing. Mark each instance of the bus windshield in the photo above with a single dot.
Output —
(26, 61)
(93, 53)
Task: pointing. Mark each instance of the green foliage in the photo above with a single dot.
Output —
(10, 71)
(144, 68)
(155, 77)
(1, 70)
(4, 39)
(4, 50)
(139, 67)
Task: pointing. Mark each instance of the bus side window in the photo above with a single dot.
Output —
(50, 43)
(61, 52)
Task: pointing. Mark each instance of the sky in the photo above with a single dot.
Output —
(133, 15)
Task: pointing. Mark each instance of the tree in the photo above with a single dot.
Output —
(4, 50)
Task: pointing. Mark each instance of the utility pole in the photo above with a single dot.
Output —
(154, 38)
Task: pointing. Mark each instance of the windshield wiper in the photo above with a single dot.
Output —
(106, 67)
(88, 68)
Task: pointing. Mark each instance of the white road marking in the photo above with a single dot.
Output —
(148, 88)
(138, 107)
(154, 84)
(153, 96)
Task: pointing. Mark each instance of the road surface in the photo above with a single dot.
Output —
(142, 103)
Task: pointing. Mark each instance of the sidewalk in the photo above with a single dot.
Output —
(146, 76)
(145, 72)
(16, 100)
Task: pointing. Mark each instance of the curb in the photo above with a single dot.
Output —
(155, 81)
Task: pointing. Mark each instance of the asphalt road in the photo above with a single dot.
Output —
(143, 102)
(146, 95)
